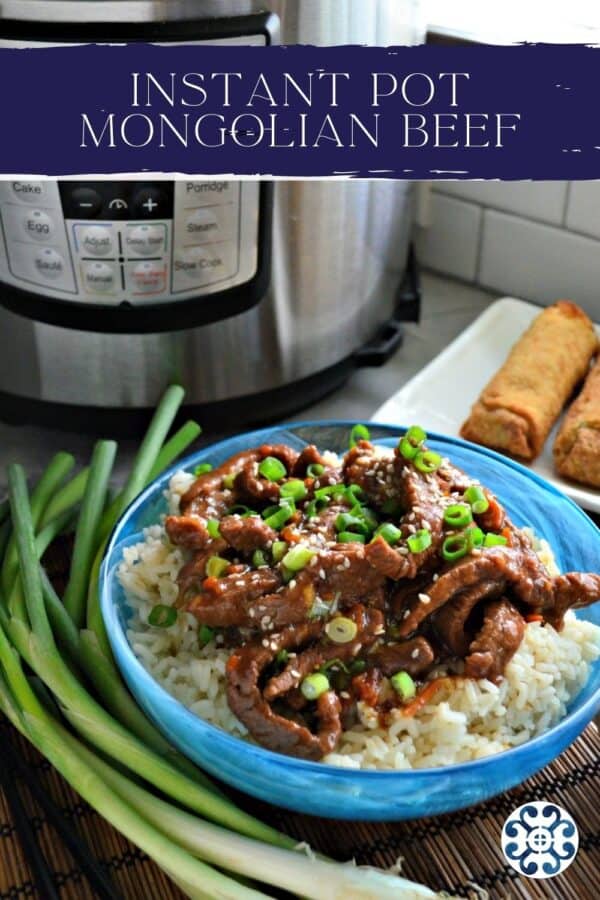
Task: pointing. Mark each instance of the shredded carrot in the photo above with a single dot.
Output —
(534, 617)
(428, 692)
(210, 584)
(506, 532)
(290, 535)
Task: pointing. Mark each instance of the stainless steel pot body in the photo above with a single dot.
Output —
(339, 249)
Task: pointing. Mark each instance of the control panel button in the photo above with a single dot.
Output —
(204, 265)
(38, 225)
(209, 193)
(149, 277)
(97, 240)
(151, 203)
(85, 203)
(145, 240)
(99, 277)
(210, 224)
(29, 191)
(49, 264)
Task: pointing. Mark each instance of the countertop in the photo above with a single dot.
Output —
(448, 307)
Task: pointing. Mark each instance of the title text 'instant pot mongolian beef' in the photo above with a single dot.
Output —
(378, 610)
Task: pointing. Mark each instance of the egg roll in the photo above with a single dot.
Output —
(577, 445)
(518, 408)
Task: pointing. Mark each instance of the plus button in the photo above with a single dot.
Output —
(150, 205)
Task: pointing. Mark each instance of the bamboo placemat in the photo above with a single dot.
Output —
(454, 853)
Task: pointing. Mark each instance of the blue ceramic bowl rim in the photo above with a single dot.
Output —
(150, 685)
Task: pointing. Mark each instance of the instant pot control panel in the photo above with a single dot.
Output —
(121, 255)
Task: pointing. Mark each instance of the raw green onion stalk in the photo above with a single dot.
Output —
(86, 722)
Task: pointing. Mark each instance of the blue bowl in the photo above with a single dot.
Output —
(346, 793)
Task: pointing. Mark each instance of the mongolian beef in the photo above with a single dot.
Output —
(338, 582)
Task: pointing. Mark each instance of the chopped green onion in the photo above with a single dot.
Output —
(348, 522)
(278, 550)
(455, 547)
(240, 510)
(259, 559)
(354, 494)
(162, 616)
(282, 657)
(367, 515)
(475, 537)
(297, 558)
(359, 433)
(216, 567)
(404, 685)
(333, 490)
(348, 537)
(212, 526)
(341, 630)
(335, 664)
(203, 469)
(389, 533)
(412, 442)
(458, 515)
(419, 542)
(427, 461)
(284, 512)
(205, 636)
(315, 470)
(311, 510)
(314, 685)
(358, 666)
(294, 489)
(495, 540)
(272, 469)
(229, 480)
(476, 498)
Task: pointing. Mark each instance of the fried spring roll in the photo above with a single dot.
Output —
(516, 411)
(577, 446)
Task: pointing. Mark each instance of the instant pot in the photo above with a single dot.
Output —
(257, 297)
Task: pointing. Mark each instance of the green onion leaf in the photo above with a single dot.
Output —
(240, 510)
(278, 550)
(212, 526)
(279, 515)
(458, 515)
(455, 547)
(229, 480)
(495, 540)
(341, 630)
(203, 469)
(427, 461)
(162, 616)
(315, 470)
(389, 533)
(419, 542)
(333, 490)
(476, 498)
(217, 566)
(295, 490)
(355, 494)
(412, 442)
(259, 559)
(392, 508)
(272, 469)
(282, 657)
(205, 636)
(475, 537)
(348, 522)
(358, 666)
(335, 664)
(297, 558)
(314, 685)
(404, 685)
(348, 537)
(359, 433)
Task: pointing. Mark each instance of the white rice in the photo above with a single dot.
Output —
(466, 721)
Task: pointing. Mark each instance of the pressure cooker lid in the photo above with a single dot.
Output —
(75, 11)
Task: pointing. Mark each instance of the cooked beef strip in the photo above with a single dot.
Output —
(378, 476)
(517, 568)
(247, 535)
(343, 573)
(229, 601)
(370, 625)
(310, 456)
(250, 486)
(450, 621)
(414, 656)
(244, 670)
(207, 497)
(497, 642)
(187, 531)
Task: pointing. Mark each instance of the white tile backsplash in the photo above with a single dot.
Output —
(543, 200)
(538, 262)
(451, 244)
(583, 211)
(537, 240)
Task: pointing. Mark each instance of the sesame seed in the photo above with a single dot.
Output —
(292, 584)
(322, 574)
(294, 673)
(240, 584)
(265, 642)
(344, 695)
(425, 598)
(436, 577)
(415, 653)
(406, 614)
(347, 563)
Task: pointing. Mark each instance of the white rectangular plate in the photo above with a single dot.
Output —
(440, 396)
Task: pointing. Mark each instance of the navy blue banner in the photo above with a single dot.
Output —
(425, 112)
